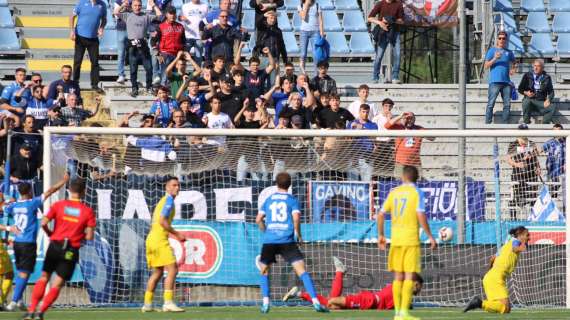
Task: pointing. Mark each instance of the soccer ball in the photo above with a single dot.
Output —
(445, 234)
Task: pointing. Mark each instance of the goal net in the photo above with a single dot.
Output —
(341, 179)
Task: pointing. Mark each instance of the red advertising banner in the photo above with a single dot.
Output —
(547, 235)
(431, 13)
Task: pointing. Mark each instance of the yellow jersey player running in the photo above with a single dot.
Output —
(159, 254)
(495, 281)
(406, 206)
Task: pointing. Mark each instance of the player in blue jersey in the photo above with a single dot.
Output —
(279, 220)
(25, 227)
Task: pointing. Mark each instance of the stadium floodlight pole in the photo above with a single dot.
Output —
(567, 211)
(461, 208)
(47, 166)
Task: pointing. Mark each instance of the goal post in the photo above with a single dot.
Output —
(340, 185)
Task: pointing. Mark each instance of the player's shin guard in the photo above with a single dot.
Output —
(397, 293)
(309, 286)
(407, 293)
(19, 288)
(168, 296)
(148, 296)
(494, 306)
(264, 284)
(6, 287)
(37, 294)
(49, 299)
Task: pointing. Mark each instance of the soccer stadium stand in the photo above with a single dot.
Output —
(559, 6)
(537, 22)
(541, 46)
(352, 20)
(532, 6)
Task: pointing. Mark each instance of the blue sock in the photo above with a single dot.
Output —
(308, 283)
(19, 288)
(264, 283)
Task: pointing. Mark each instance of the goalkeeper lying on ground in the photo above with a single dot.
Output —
(363, 300)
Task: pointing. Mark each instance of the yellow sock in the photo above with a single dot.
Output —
(397, 292)
(494, 306)
(148, 297)
(407, 292)
(6, 287)
(168, 294)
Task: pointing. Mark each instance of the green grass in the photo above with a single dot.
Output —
(286, 313)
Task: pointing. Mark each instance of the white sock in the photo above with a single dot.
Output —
(265, 300)
(316, 301)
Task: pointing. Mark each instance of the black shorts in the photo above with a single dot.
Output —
(60, 261)
(289, 251)
(25, 256)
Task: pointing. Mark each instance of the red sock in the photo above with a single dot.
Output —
(336, 289)
(305, 296)
(49, 299)
(322, 300)
(37, 294)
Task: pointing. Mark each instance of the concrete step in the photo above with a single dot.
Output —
(33, 32)
(42, 10)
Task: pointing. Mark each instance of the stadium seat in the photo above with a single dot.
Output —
(353, 21)
(515, 44)
(509, 23)
(503, 6)
(283, 21)
(346, 5)
(537, 22)
(533, 5)
(290, 43)
(214, 4)
(559, 6)
(9, 40)
(541, 45)
(326, 4)
(3, 3)
(177, 4)
(6, 20)
(291, 5)
(330, 21)
(360, 43)
(337, 42)
(563, 45)
(248, 20)
(561, 22)
(111, 22)
(108, 43)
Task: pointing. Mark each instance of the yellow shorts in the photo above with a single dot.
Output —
(405, 259)
(5, 262)
(495, 286)
(159, 253)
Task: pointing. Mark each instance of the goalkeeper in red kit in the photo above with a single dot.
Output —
(73, 222)
(363, 300)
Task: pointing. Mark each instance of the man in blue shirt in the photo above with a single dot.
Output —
(500, 61)
(16, 96)
(91, 20)
(279, 220)
(59, 89)
(163, 107)
(555, 150)
(26, 224)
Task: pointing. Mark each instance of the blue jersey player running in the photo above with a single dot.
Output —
(279, 221)
(24, 212)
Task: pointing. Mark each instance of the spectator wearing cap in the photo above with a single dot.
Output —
(194, 120)
(222, 36)
(555, 150)
(330, 117)
(363, 93)
(59, 89)
(322, 82)
(522, 156)
(255, 78)
(407, 149)
(536, 86)
(311, 27)
(192, 14)
(177, 73)
(168, 41)
(38, 106)
(24, 164)
(74, 114)
(364, 145)
(15, 96)
(232, 101)
(28, 135)
(245, 119)
(270, 36)
(163, 107)
(501, 64)
(197, 101)
(217, 120)
(91, 20)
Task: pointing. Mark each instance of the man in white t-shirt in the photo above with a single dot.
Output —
(384, 152)
(354, 107)
(217, 120)
(192, 13)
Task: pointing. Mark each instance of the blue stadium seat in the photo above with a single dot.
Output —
(177, 4)
(563, 45)
(290, 43)
(330, 21)
(503, 6)
(6, 20)
(509, 22)
(346, 5)
(283, 21)
(559, 6)
(533, 5)
(108, 43)
(561, 22)
(291, 5)
(360, 43)
(3, 3)
(111, 22)
(537, 22)
(337, 42)
(326, 4)
(296, 21)
(541, 45)
(248, 20)
(9, 40)
(353, 21)
(515, 44)
(214, 4)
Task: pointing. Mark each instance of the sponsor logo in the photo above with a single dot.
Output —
(201, 254)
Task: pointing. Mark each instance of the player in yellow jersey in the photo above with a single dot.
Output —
(406, 205)
(159, 254)
(495, 281)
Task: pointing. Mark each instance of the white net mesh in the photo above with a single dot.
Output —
(340, 183)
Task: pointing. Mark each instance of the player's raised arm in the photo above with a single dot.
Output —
(56, 187)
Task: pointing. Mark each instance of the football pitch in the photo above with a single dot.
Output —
(286, 313)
